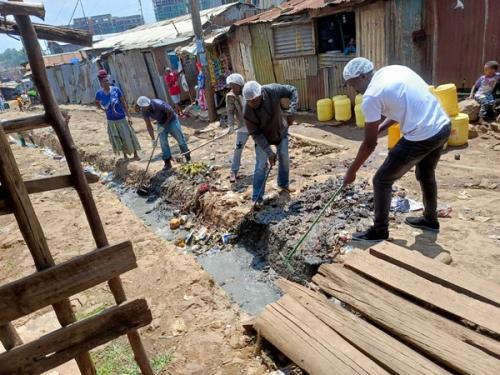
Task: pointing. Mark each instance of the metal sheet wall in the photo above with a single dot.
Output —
(132, 74)
(403, 17)
(74, 83)
(464, 39)
(261, 53)
(294, 40)
(372, 35)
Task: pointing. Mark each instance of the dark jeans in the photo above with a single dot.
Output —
(403, 157)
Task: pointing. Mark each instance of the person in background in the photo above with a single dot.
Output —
(350, 47)
(168, 123)
(234, 107)
(174, 89)
(266, 125)
(120, 132)
(20, 102)
(393, 94)
(201, 90)
(33, 95)
(482, 91)
(2, 102)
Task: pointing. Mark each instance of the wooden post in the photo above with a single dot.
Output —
(48, 32)
(32, 233)
(9, 336)
(59, 124)
(26, 9)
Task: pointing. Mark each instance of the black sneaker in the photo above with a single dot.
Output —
(371, 235)
(423, 223)
(188, 157)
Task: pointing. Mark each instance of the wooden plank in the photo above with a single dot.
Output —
(48, 32)
(65, 343)
(442, 340)
(25, 123)
(309, 343)
(42, 185)
(32, 232)
(24, 9)
(9, 336)
(47, 287)
(382, 348)
(449, 277)
(459, 305)
(29, 32)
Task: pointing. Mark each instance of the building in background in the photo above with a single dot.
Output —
(166, 9)
(107, 24)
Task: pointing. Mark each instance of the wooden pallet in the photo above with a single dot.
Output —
(393, 311)
(54, 284)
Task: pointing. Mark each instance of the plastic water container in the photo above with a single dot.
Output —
(343, 109)
(358, 99)
(360, 118)
(393, 135)
(459, 130)
(337, 97)
(447, 95)
(432, 89)
(324, 109)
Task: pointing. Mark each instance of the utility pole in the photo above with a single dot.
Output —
(142, 13)
(200, 51)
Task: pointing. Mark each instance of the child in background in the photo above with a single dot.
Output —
(201, 91)
(483, 89)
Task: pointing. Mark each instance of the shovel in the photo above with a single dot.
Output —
(142, 190)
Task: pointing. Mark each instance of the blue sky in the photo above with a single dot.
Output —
(58, 12)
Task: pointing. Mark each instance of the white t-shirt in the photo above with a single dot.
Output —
(399, 94)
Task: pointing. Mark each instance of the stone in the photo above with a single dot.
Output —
(471, 108)
(496, 147)
(495, 127)
(444, 257)
(175, 223)
(473, 133)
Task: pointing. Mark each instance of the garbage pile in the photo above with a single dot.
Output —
(351, 212)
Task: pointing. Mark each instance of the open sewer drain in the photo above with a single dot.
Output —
(244, 275)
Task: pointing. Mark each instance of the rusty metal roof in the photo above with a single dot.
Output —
(293, 7)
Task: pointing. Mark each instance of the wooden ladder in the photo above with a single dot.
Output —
(53, 284)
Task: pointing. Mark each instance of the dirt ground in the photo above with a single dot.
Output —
(194, 319)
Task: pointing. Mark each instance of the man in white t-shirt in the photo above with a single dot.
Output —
(396, 94)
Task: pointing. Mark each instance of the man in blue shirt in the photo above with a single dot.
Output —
(120, 132)
(168, 123)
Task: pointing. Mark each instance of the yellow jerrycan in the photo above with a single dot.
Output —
(324, 109)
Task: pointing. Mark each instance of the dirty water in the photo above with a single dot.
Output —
(243, 274)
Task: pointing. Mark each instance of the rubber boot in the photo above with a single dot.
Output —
(168, 165)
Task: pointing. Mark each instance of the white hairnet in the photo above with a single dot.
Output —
(236, 79)
(143, 101)
(251, 90)
(356, 67)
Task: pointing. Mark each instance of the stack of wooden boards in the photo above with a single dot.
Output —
(399, 313)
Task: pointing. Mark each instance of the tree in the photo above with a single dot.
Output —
(12, 57)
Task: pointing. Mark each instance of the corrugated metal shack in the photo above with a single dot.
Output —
(137, 57)
(302, 42)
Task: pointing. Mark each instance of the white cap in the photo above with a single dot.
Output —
(251, 90)
(143, 101)
(236, 79)
(356, 67)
